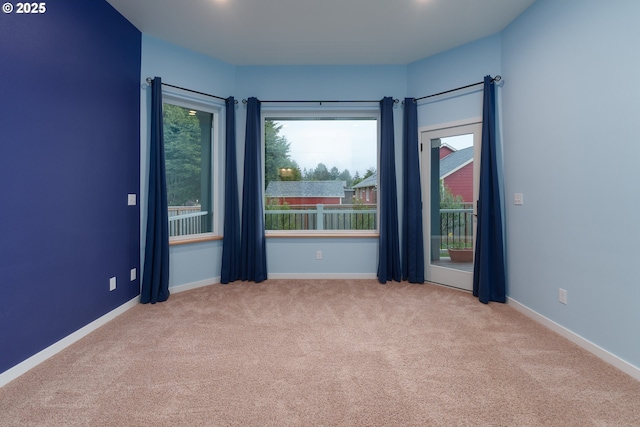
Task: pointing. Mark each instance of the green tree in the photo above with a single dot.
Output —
(277, 160)
(321, 173)
(367, 174)
(334, 172)
(345, 176)
(356, 179)
(448, 200)
(182, 147)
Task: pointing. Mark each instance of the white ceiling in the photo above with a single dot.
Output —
(320, 32)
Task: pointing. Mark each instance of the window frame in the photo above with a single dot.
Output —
(327, 111)
(186, 99)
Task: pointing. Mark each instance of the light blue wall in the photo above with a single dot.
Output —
(571, 108)
(341, 257)
(454, 68)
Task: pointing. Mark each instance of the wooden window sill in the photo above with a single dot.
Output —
(193, 239)
(322, 235)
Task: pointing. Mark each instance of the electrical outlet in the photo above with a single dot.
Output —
(562, 295)
(319, 255)
(517, 199)
(133, 274)
(112, 284)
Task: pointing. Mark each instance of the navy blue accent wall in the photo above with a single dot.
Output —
(69, 155)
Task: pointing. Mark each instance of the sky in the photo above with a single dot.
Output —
(459, 142)
(345, 144)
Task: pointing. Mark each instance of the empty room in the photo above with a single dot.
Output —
(241, 212)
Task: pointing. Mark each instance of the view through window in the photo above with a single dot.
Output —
(320, 174)
(188, 158)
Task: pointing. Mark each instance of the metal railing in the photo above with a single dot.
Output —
(321, 217)
(456, 228)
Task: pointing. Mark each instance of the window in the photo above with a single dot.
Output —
(321, 172)
(189, 163)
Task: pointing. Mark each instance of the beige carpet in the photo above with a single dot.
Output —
(322, 353)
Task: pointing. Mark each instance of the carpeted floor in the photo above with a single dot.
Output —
(322, 353)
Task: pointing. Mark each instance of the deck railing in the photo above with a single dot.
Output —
(185, 220)
(456, 228)
(321, 217)
(456, 225)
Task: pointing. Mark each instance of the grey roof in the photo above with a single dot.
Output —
(371, 181)
(455, 160)
(305, 189)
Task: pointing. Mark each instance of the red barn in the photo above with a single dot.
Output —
(456, 170)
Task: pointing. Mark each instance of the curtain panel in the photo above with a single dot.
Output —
(489, 281)
(412, 231)
(389, 245)
(231, 240)
(155, 282)
(253, 254)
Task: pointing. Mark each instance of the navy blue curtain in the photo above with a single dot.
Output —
(412, 235)
(489, 282)
(389, 245)
(253, 254)
(155, 283)
(231, 243)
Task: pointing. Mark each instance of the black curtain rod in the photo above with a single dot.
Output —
(149, 79)
(395, 101)
(495, 79)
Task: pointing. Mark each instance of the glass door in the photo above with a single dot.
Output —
(450, 173)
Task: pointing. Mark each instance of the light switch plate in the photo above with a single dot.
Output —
(562, 295)
(131, 199)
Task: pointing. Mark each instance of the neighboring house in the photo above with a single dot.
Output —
(305, 192)
(366, 190)
(445, 150)
(456, 171)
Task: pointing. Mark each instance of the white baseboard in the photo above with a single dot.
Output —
(598, 351)
(21, 368)
(193, 285)
(312, 276)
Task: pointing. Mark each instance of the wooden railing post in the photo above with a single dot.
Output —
(320, 217)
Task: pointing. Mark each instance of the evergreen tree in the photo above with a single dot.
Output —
(182, 146)
(346, 177)
(277, 161)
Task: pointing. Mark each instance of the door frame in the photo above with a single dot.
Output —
(439, 274)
